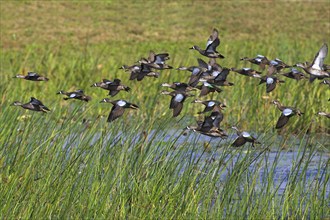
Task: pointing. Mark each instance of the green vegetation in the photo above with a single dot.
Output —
(71, 163)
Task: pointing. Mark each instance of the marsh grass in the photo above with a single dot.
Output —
(69, 170)
(71, 163)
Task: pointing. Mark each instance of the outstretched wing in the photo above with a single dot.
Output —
(213, 41)
(202, 63)
(116, 112)
(223, 75)
(282, 121)
(177, 109)
(319, 57)
(239, 141)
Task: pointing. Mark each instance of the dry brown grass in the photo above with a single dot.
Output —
(43, 22)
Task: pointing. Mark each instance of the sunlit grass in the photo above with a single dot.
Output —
(76, 171)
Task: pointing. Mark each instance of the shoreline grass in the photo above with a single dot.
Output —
(121, 177)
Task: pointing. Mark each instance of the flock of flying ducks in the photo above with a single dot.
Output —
(205, 77)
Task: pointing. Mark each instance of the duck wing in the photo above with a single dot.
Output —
(116, 112)
(211, 48)
(202, 63)
(112, 93)
(222, 76)
(282, 121)
(176, 99)
(37, 103)
(213, 41)
(319, 57)
(239, 141)
(177, 109)
(151, 57)
(161, 58)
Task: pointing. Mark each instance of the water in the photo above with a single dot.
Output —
(266, 160)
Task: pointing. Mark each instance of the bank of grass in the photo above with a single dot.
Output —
(65, 169)
(71, 163)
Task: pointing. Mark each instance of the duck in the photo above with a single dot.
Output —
(243, 137)
(215, 70)
(315, 69)
(145, 70)
(259, 60)
(214, 132)
(210, 105)
(78, 94)
(196, 71)
(178, 86)
(114, 86)
(32, 76)
(160, 66)
(278, 64)
(287, 112)
(127, 68)
(210, 126)
(118, 108)
(294, 74)
(139, 71)
(212, 43)
(33, 105)
(215, 118)
(325, 67)
(207, 88)
(271, 82)
(156, 61)
(270, 79)
(178, 97)
(247, 72)
(324, 114)
(219, 78)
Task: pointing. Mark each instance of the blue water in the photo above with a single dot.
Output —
(190, 146)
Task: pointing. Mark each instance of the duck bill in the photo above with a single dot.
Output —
(133, 106)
